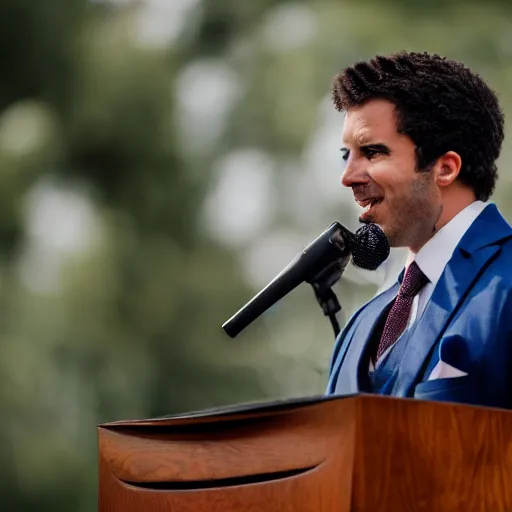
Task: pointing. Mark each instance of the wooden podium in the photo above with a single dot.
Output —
(319, 454)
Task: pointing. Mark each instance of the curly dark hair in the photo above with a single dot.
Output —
(441, 105)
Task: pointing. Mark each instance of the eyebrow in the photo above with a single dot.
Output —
(379, 146)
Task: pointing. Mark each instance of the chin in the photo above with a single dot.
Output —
(391, 234)
(365, 219)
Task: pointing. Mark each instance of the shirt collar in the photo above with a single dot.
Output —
(435, 254)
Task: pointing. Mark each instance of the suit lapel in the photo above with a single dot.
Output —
(475, 251)
(344, 376)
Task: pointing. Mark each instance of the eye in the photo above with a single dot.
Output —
(373, 150)
(370, 153)
(345, 154)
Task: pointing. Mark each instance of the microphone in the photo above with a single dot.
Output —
(368, 248)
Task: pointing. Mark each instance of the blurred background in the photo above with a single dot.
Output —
(160, 162)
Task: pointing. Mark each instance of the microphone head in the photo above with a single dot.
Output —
(369, 246)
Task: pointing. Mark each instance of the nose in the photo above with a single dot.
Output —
(354, 174)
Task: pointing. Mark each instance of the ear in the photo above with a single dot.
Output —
(447, 168)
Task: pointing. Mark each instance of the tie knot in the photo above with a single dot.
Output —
(414, 280)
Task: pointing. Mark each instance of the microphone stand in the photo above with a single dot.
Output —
(320, 264)
(322, 285)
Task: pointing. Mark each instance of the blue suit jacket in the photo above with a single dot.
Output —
(467, 323)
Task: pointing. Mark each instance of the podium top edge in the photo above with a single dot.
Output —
(229, 411)
(263, 408)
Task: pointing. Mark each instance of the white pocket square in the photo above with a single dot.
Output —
(444, 370)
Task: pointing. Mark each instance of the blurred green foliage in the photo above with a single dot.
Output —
(129, 325)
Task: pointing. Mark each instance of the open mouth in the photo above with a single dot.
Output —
(369, 203)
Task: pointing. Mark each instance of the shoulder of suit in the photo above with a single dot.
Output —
(502, 264)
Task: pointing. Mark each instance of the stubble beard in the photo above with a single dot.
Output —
(415, 217)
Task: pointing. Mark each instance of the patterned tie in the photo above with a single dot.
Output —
(414, 280)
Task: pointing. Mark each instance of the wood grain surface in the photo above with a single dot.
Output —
(416, 456)
(359, 454)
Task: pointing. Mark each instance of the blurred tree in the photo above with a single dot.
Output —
(88, 117)
(113, 291)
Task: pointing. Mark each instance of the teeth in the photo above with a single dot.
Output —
(369, 203)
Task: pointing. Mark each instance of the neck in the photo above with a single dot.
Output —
(451, 206)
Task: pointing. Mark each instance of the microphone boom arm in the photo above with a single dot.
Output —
(314, 265)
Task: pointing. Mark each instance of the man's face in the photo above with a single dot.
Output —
(381, 169)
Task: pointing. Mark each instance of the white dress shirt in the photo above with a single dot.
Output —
(435, 254)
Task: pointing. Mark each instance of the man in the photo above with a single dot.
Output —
(420, 140)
